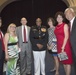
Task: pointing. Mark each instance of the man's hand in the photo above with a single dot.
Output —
(40, 46)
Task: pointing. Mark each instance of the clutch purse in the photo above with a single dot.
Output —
(50, 51)
(62, 56)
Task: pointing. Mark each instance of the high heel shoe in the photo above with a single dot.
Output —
(53, 70)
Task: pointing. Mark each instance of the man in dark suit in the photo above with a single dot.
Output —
(70, 15)
(1, 50)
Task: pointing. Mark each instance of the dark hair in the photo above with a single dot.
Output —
(50, 18)
(38, 18)
(0, 18)
(61, 14)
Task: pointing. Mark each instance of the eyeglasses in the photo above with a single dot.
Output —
(38, 21)
(12, 27)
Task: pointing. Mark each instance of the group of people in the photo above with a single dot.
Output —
(19, 43)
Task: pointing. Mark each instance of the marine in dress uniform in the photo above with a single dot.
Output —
(39, 39)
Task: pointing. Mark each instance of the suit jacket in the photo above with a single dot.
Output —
(0, 49)
(19, 35)
(73, 37)
(39, 35)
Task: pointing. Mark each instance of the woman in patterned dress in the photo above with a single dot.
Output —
(52, 44)
(12, 51)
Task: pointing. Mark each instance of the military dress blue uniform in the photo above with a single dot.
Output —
(39, 35)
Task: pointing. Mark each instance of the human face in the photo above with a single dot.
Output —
(38, 22)
(59, 19)
(12, 28)
(69, 15)
(23, 21)
(50, 23)
(0, 22)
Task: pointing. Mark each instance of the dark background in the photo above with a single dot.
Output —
(31, 9)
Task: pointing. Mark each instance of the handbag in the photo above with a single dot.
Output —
(62, 56)
(50, 51)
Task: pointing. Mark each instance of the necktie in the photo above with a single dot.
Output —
(24, 34)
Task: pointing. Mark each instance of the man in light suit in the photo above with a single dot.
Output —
(70, 15)
(25, 45)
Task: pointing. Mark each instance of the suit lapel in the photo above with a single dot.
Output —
(27, 30)
(74, 25)
(20, 32)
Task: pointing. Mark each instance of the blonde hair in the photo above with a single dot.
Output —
(69, 9)
(8, 29)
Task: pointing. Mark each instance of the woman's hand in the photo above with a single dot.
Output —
(7, 57)
(62, 49)
(19, 50)
(49, 47)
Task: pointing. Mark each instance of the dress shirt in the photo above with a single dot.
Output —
(71, 23)
(23, 33)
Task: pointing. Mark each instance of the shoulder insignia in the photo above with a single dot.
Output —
(43, 29)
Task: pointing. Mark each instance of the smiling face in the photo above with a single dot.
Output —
(50, 23)
(69, 15)
(12, 28)
(59, 19)
(23, 21)
(38, 22)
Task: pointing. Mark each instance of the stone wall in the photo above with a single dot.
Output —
(72, 4)
(69, 3)
(3, 3)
